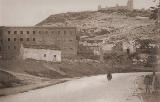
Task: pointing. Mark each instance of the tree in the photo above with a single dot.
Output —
(155, 12)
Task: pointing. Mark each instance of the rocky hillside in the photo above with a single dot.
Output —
(95, 23)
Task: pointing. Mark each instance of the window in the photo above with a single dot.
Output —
(27, 32)
(8, 47)
(54, 57)
(15, 47)
(0, 48)
(44, 55)
(77, 37)
(59, 32)
(9, 39)
(64, 32)
(39, 32)
(9, 32)
(71, 32)
(21, 39)
(128, 50)
(34, 39)
(15, 39)
(34, 32)
(15, 32)
(52, 32)
(21, 32)
(27, 39)
(1, 41)
(46, 32)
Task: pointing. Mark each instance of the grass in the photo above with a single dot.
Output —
(26, 88)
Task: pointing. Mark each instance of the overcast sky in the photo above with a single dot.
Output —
(31, 12)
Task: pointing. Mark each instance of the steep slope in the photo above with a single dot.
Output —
(97, 23)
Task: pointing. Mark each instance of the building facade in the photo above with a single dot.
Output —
(130, 5)
(129, 47)
(11, 38)
(39, 52)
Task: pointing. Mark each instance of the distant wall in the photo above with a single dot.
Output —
(107, 48)
(5, 76)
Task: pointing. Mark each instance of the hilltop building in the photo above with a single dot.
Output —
(129, 6)
(63, 38)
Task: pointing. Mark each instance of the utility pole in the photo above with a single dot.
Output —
(158, 13)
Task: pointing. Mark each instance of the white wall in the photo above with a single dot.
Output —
(38, 54)
(107, 47)
(129, 46)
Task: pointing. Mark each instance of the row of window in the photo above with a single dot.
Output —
(22, 39)
(14, 47)
(9, 47)
(34, 32)
(30, 39)
(21, 32)
(66, 48)
(45, 55)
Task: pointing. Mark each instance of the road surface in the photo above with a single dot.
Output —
(88, 89)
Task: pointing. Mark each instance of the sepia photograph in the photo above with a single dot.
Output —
(79, 50)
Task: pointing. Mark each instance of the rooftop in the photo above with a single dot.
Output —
(51, 47)
(37, 27)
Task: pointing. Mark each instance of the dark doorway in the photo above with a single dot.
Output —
(128, 51)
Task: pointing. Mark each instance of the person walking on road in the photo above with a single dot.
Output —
(109, 76)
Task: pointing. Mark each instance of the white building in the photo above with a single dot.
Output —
(94, 44)
(107, 47)
(129, 47)
(46, 53)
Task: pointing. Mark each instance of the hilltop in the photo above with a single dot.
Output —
(119, 23)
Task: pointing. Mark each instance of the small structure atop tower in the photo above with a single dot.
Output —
(130, 5)
(99, 7)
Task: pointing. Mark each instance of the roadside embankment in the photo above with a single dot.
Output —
(141, 90)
